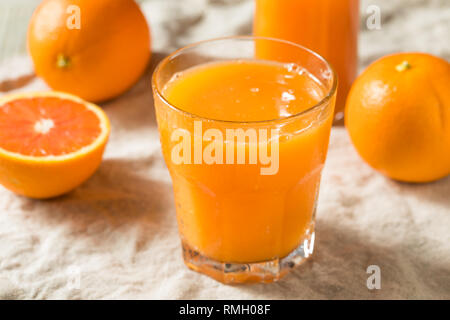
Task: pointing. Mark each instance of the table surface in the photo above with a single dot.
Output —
(116, 236)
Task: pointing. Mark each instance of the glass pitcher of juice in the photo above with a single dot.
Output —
(328, 27)
(245, 135)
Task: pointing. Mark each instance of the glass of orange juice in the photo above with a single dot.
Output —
(245, 135)
(329, 27)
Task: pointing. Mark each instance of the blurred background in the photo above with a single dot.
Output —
(412, 25)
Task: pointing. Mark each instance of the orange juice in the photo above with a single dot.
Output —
(328, 27)
(235, 208)
(240, 215)
(244, 90)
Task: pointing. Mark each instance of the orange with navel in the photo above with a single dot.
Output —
(50, 142)
(96, 49)
(398, 116)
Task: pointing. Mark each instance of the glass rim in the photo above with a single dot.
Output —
(330, 93)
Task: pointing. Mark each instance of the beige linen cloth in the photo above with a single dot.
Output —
(116, 235)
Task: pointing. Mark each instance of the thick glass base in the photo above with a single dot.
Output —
(265, 271)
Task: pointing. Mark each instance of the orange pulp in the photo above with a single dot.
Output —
(46, 126)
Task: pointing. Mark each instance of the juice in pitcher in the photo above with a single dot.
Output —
(245, 140)
(328, 27)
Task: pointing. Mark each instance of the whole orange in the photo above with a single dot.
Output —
(398, 116)
(96, 49)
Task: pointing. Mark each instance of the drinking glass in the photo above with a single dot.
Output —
(235, 223)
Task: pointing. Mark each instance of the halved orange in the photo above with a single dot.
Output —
(50, 142)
